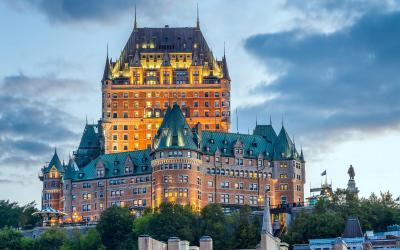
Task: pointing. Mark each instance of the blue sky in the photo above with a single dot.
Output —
(329, 68)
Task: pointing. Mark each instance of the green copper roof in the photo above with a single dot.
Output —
(54, 162)
(284, 147)
(266, 131)
(89, 147)
(174, 132)
(253, 145)
(114, 165)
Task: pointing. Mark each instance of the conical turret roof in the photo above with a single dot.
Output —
(54, 162)
(283, 146)
(174, 132)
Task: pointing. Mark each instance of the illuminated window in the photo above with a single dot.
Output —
(284, 187)
(239, 199)
(224, 198)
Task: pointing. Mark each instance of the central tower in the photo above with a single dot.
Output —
(157, 68)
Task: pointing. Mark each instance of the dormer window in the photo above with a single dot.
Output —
(115, 171)
(208, 149)
(254, 144)
(225, 142)
(250, 152)
(100, 173)
(81, 175)
(116, 162)
(224, 150)
(212, 141)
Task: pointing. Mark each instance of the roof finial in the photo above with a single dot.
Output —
(270, 120)
(198, 19)
(86, 120)
(107, 51)
(282, 121)
(224, 49)
(256, 120)
(135, 23)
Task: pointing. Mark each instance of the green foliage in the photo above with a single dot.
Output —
(247, 231)
(115, 228)
(10, 239)
(170, 220)
(52, 239)
(329, 216)
(13, 215)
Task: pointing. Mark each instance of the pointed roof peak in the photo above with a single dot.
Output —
(198, 19)
(107, 68)
(135, 22)
(266, 224)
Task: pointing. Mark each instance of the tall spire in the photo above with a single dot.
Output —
(270, 120)
(135, 23)
(266, 224)
(198, 19)
(107, 70)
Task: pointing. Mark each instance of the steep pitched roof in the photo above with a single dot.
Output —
(266, 131)
(107, 69)
(352, 228)
(115, 165)
(54, 162)
(174, 132)
(253, 145)
(225, 71)
(283, 146)
(89, 146)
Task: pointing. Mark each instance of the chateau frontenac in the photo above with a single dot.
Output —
(164, 137)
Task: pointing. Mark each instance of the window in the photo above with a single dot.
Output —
(198, 181)
(115, 127)
(210, 198)
(86, 185)
(115, 137)
(225, 184)
(210, 183)
(239, 185)
(183, 178)
(253, 200)
(283, 176)
(167, 178)
(253, 186)
(125, 127)
(283, 199)
(239, 199)
(284, 187)
(100, 172)
(224, 198)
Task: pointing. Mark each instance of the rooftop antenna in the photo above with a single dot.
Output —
(270, 120)
(135, 23)
(256, 120)
(237, 121)
(198, 19)
(86, 120)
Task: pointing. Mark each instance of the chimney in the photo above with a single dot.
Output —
(206, 243)
(173, 243)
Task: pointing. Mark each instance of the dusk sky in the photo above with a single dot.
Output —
(329, 69)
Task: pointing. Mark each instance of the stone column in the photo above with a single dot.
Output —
(173, 243)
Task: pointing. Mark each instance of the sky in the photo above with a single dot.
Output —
(328, 70)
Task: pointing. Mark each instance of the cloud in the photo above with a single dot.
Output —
(333, 83)
(31, 122)
(78, 10)
(49, 86)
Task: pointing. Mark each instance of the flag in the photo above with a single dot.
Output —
(323, 173)
(398, 198)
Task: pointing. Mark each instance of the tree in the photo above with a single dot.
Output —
(52, 239)
(115, 228)
(213, 223)
(92, 240)
(247, 230)
(13, 215)
(10, 239)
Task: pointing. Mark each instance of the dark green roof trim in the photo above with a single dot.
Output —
(115, 166)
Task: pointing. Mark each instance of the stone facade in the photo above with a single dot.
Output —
(157, 68)
(185, 165)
